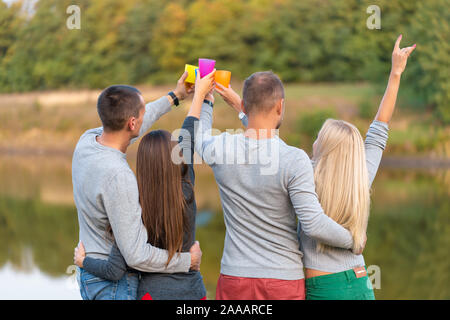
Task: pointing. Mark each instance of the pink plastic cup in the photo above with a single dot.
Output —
(206, 66)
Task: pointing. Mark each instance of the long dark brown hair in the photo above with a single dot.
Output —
(160, 191)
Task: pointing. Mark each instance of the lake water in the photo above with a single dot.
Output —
(408, 237)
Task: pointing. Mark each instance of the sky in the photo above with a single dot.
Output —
(11, 1)
(28, 7)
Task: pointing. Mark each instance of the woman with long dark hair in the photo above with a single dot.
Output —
(165, 177)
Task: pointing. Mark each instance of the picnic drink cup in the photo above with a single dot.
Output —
(223, 77)
(206, 66)
(191, 73)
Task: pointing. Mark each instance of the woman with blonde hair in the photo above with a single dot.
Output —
(344, 169)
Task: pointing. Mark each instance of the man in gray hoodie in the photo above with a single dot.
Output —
(107, 197)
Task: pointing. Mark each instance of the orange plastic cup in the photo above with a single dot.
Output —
(223, 77)
(191, 73)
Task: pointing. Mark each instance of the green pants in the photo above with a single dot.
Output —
(339, 286)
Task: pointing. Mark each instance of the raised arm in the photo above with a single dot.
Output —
(233, 100)
(156, 109)
(399, 60)
(186, 142)
(203, 88)
(202, 107)
(377, 135)
(121, 202)
(186, 139)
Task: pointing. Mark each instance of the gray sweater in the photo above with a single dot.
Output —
(337, 259)
(106, 193)
(265, 185)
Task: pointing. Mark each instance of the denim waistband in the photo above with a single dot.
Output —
(130, 270)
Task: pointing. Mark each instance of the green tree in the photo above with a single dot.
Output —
(138, 41)
(166, 35)
(430, 70)
(9, 23)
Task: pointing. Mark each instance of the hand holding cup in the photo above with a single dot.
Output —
(229, 96)
(204, 85)
(183, 89)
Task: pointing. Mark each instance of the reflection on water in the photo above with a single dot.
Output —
(203, 218)
(408, 236)
(36, 285)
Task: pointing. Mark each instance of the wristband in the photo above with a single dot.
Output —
(241, 115)
(209, 102)
(176, 102)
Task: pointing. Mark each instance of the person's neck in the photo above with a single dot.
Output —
(260, 128)
(116, 140)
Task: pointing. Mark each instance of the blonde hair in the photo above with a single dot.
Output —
(341, 178)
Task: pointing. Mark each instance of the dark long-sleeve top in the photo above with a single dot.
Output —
(188, 285)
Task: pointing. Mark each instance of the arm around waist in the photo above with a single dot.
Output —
(121, 202)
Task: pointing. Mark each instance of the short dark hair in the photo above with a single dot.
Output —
(262, 90)
(116, 104)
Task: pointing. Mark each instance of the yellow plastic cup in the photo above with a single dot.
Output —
(223, 77)
(191, 73)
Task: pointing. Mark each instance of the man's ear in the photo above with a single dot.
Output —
(131, 124)
(280, 107)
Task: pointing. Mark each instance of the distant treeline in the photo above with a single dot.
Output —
(149, 41)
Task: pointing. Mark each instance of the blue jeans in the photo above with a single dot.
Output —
(95, 288)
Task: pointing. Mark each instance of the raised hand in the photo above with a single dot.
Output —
(230, 97)
(183, 89)
(400, 57)
(399, 60)
(203, 89)
(204, 85)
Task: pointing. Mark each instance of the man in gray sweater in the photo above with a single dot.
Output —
(265, 186)
(107, 197)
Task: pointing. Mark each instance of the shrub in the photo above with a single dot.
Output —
(309, 124)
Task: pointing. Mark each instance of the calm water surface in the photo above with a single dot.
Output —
(408, 236)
